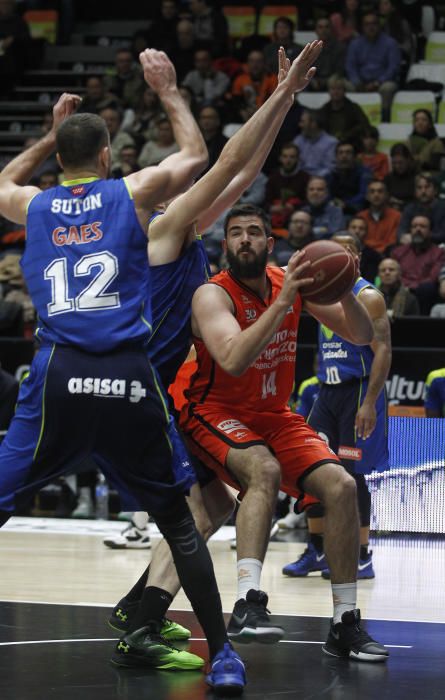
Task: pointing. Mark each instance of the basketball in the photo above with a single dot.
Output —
(333, 269)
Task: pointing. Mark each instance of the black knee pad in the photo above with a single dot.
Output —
(363, 500)
(315, 511)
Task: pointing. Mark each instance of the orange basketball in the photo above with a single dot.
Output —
(333, 269)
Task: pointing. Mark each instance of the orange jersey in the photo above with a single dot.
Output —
(268, 383)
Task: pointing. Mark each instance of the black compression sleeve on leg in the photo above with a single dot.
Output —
(363, 499)
(153, 605)
(4, 517)
(195, 570)
(315, 511)
(137, 591)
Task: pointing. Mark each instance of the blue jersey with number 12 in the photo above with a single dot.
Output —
(86, 266)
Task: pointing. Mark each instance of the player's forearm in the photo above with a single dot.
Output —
(21, 169)
(358, 321)
(379, 372)
(186, 131)
(244, 348)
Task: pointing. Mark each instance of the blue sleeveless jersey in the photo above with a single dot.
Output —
(338, 360)
(86, 266)
(173, 286)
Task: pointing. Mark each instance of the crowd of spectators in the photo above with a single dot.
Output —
(325, 172)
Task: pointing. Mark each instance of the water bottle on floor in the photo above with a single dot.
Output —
(102, 493)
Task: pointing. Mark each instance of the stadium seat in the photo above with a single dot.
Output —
(433, 72)
(405, 102)
(312, 100)
(270, 13)
(428, 20)
(371, 104)
(303, 38)
(391, 134)
(241, 20)
(435, 47)
(42, 24)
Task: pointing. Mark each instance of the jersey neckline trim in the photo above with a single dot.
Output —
(80, 181)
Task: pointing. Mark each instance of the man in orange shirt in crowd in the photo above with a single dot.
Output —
(252, 88)
(382, 220)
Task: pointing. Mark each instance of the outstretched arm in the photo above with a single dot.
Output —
(168, 232)
(14, 196)
(153, 185)
(348, 318)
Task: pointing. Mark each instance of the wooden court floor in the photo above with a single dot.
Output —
(56, 589)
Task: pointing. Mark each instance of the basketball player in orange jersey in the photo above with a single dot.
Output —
(237, 422)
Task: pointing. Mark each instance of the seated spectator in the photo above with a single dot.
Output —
(421, 262)
(96, 98)
(183, 53)
(331, 61)
(126, 82)
(370, 157)
(127, 163)
(340, 116)
(373, 61)
(282, 35)
(209, 122)
(210, 26)
(16, 294)
(348, 181)
(207, 84)
(286, 186)
(396, 26)
(435, 394)
(162, 32)
(382, 220)
(161, 146)
(48, 179)
(369, 259)
(424, 142)
(438, 310)
(299, 235)
(327, 218)
(252, 88)
(317, 148)
(15, 42)
(345, 24)
(143, 125)
(399, 300)
(426, 203)
(401, 180)
(118, 137)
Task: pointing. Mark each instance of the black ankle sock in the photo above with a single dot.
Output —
(138, 589)
(364, 551)
(317, 541)
(153, 605)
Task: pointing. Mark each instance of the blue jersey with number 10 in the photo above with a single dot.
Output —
(86, 266)
(338, 360)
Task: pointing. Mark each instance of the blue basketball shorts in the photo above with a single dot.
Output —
(110, 407)
(333, 417)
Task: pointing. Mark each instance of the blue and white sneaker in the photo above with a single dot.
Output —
(227, 674)
(310, 560)
(365, 569)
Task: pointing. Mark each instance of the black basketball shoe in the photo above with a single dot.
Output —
(145, 647)
(348, 639)
(250, 621)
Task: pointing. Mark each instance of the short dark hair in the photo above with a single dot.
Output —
(400, 149)
(345, 142)
(80, 138)
(371, 132)
(248, 210)
(349, 234)
(285, 20)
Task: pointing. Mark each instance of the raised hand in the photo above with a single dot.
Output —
(302, 69)
(159, 71)
(298, 275)
(65, 106)
(283, 65)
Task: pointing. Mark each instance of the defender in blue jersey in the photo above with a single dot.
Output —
(91, 388)
(350, 413)
(435, 394)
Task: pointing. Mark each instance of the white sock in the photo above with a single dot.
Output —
(140, 520)
(344, 596)
(249, 574)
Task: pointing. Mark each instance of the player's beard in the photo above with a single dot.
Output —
(247, 269)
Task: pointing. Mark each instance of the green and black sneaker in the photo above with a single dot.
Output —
(146, 648)
(120, 620)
